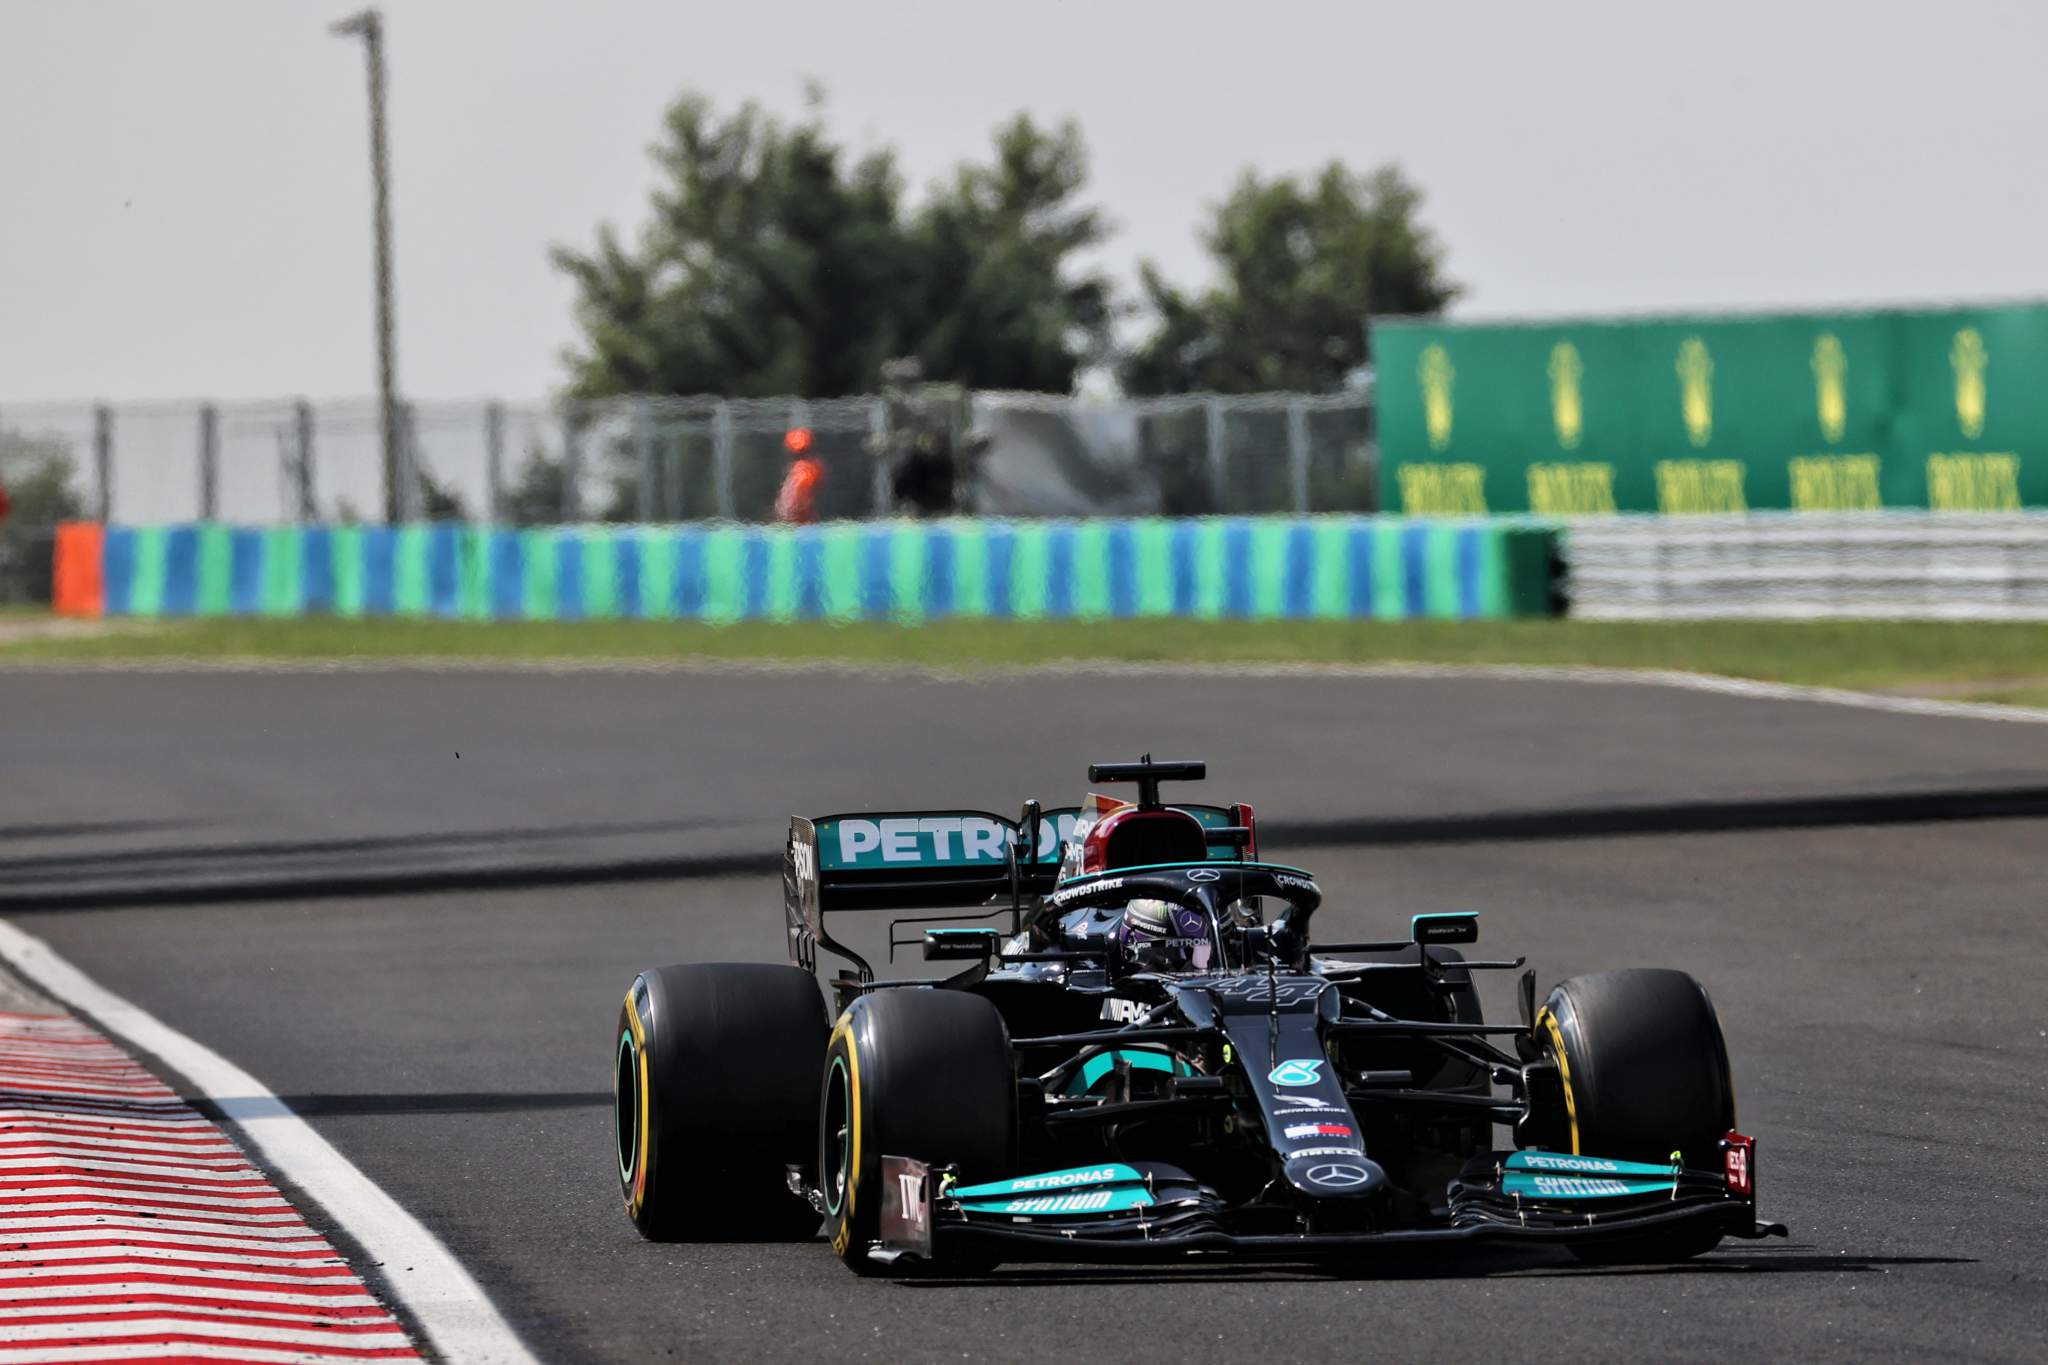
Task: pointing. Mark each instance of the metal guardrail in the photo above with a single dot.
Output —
(1897, 565)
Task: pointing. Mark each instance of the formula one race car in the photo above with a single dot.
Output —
(1147, 1063)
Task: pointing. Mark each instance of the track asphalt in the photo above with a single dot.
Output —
(423, 953)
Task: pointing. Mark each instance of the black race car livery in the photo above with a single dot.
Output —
(1144, 1051)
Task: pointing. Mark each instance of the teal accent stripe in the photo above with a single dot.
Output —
(1091, 571)
(216, 570)
(600, 572)
(906, 572)
(1098, 1066)
(1109, 1173)
(1330, 590)
(1532, 1185)
(1030, 565)
(283, 555)
(840, 558)
(1211, 574)
(146, 595)
(970, 568)
(725, 594)
(1152, 540)
(473, 572)
(409, 572)
(537, 559)
(1389, 599)
(1269, 568)
(779, 603)
(657, 573)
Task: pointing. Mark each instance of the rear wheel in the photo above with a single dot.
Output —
(714, 1076)
(915, 1073)
(1645, 1074)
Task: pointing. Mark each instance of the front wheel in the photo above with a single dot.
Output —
(714, 1093)
(1645, 1075)
(915, 1073)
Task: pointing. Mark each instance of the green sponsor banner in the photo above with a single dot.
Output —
(1944, 409)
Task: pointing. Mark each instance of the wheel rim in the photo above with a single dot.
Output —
(626, 1108)
(836, 1130)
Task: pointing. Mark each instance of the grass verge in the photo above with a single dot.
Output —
(1964, 660)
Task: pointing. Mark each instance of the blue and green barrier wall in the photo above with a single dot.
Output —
(1262, 568)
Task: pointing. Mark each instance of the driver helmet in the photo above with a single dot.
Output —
(1155, 935)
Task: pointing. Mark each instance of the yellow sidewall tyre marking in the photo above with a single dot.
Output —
(842, 1227)
(1548, 1022)
(636, 1198)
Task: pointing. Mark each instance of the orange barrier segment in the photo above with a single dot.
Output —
(79, 586)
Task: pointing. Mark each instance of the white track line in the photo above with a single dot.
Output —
(1081, 668)
(420, 1273)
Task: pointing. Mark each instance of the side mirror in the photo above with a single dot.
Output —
(959, 945)
(1456, 927)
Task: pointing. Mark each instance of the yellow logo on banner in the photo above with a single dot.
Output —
(1969, 482)
(1968, 357)
(1696, 390)
(1567, 411)
(1435, 372)
(1571, 490)
(1700, 487)
(1834, 483)
(1443, 490)
(1830, 393)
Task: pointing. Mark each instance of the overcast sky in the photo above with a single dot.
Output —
(184, 187)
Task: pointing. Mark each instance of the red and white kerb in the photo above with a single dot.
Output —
(133, 1230)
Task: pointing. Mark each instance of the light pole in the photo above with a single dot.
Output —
(370, 25)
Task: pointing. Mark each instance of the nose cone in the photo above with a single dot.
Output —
(1335, 1176)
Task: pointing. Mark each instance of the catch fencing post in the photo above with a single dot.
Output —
(410, 495)
(209, 461)
(674, 436)
(103, 458)
(1297, 453)
(494, 460)
(878, 440)
(304, 468)
(1212, 412)
(643, 441)
(721, 457)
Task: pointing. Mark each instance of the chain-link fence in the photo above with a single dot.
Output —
(672, 459)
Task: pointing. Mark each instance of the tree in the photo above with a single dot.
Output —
(536, 499)
(776, 262)
(994, 301)
(1302, 265)
(40, 477)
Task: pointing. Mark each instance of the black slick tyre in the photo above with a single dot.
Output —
(1645, 1074)
(915, 1073)
(714, 1095)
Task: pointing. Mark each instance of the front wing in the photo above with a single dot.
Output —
(920, 1219)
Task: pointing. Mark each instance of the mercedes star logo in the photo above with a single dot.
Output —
(1205, 874)
(1337, 1177)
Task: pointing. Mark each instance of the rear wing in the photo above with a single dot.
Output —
(929, 860)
